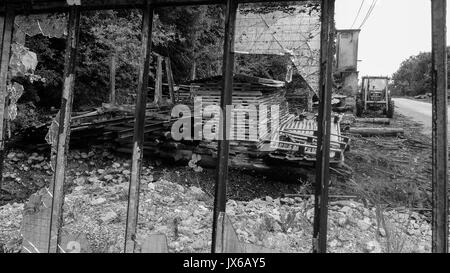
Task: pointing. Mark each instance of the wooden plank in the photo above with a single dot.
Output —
(112, 79)
(2, 25)
(141, 102)
(440, 130)
(5, 53)
(227, 95)
(385, 121)
(36, 6)
(158, 81)
(324, 129)
(170, 81)
(63, 137)
(377, 131)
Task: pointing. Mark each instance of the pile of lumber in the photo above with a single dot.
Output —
(184, 93)
(87, 128)
(250, 95)
(114, 124)
(379, 128)
(254, 139)
(297, 142)
(369, 132)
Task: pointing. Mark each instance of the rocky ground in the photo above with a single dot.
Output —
(368, 212)
(98, 200)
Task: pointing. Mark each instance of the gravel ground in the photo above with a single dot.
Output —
(177, 201)
(97, 207)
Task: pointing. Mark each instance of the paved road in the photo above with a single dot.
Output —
(417, 110)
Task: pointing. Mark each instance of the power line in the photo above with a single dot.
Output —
(357, 15)
(374, 3)
(369, 11)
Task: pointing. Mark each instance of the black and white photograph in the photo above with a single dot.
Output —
(208, 127)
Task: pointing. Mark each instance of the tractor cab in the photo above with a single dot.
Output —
(375, 96)
(375, 89)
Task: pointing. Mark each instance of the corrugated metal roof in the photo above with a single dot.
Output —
(35, 6)
(294, 32)
(243, 78)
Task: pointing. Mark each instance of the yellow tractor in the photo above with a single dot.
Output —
(375, 95)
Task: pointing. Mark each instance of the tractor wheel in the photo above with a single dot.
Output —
(359, 108)
(390, 110)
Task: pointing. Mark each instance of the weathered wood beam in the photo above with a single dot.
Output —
(170, 81)
(367, 132)
(2, 25)
(112, 78)
(44, 6)
(63, 137)
(158, 81)
(138, 140)
(440, 130)
(385, 121)
(226, 99)
(324, 129)
(6, 31)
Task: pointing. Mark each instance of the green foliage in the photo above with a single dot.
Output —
(264, 66)
(191, 36)
(199, 43)
(185, 34)
(413, 77)
(103, 34)
(50, 66)
(285, 7)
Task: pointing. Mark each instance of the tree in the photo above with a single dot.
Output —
(414, 76)
(199, 44)
(101, 34)
(191, 36)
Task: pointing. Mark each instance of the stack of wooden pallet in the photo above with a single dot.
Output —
(297, 142)
(183, 93)
(250, 96)
(255, 138)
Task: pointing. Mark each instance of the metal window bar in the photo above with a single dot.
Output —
(440, 130)
(59, 176)
(5, 52)
(220, 199)
(324, 129)
(139, 123)
(440, 172)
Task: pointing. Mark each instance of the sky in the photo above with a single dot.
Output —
(395, 30)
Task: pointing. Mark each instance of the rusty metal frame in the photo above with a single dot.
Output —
(47, 6)
(220, 199)
(139, 123)
(440, 172)
(440, 130)
(5, 51)
(324, 129)
(64, 129)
